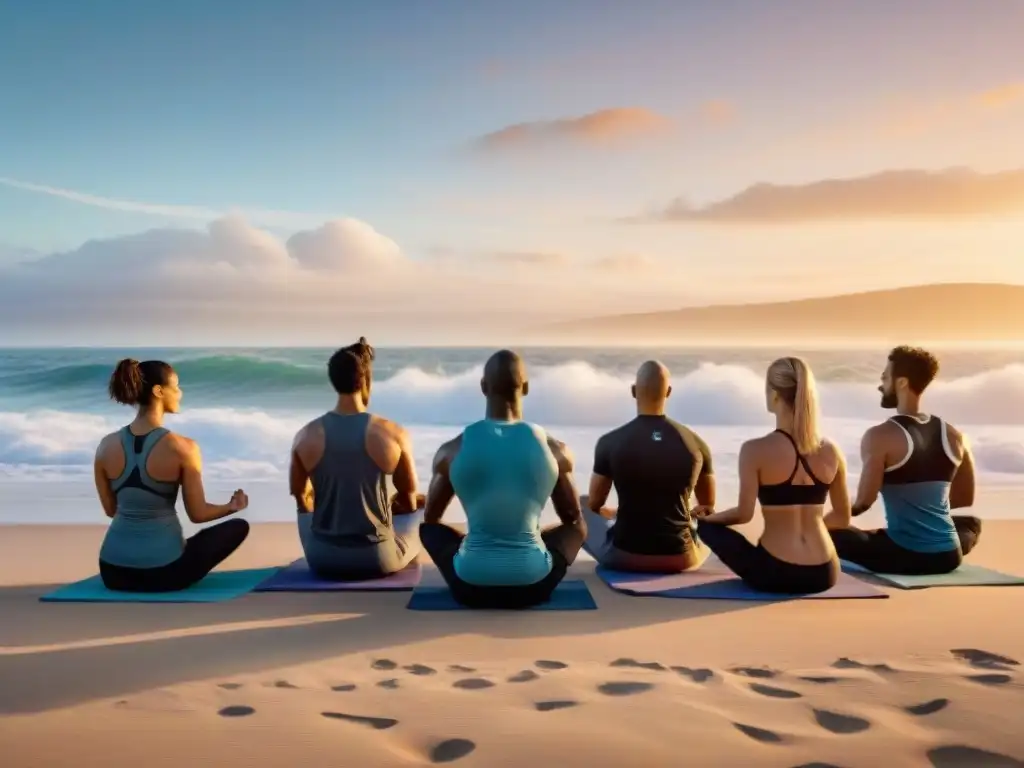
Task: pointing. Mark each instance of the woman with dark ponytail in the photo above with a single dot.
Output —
(138, 471)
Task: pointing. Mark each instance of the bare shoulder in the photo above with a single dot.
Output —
(562, 453)
(107, 444)
(446, 453)
(391, 429)
(309, 430)
(954, 435)
(181, 445)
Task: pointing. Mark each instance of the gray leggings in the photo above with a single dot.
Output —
(341, 561)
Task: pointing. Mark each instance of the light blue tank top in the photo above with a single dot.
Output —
(917, 516)
(503, 475)
(145, 531)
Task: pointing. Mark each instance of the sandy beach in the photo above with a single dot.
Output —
(925, 678)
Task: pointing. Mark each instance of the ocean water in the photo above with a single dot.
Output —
(243, 406)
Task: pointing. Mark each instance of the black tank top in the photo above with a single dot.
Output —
(928, 455)
(786, 493)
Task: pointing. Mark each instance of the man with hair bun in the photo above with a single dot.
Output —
(340, 464)
(923, 468)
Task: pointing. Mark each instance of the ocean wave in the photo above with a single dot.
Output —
(576, 401)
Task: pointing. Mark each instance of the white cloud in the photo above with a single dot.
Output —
(233, 283)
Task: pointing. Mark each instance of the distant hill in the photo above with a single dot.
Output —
(954, 312)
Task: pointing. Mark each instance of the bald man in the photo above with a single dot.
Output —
(655, 464)
(503, 470)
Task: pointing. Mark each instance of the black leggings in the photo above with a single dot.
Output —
(203, 552)
(442, 543)
(875, 551)
(762, 571)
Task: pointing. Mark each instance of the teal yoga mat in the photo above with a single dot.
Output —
(215, 588)
(967, 575)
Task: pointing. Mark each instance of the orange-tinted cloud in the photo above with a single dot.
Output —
(718, 111)
(606, 126)
(889, 195)
(1001, 97)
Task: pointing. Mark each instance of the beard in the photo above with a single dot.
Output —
(889, 400)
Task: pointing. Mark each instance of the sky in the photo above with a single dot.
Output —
(267, 172)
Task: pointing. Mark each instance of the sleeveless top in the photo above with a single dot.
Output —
(916, 490)
(503, 475)
(788, 493)
(350, 491)
(145, 531)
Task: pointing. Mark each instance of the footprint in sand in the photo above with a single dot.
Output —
(698, 675)
(550, 665)
(775, 693)
(473, 684)
(284, 684)
(526, 676)
(236, 711)
(384, 664)
(391, 684)
(992, 679)
(344, 687)
(549, 706)
(377, 723)
(845, 663)
(927, 707)
(622, 688)
(820, 680)
(834, 722)
(984, 659)
(460, 668)
(762, 673)
(229, 686)
(960, 756)
(420, 670)
(762, 735)
(634, 664)
(451, 750)
(816, 765)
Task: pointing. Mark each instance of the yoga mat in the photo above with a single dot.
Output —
(967, 575)
(570, 595)
(215, 588)
(714, 581)
(298, 578)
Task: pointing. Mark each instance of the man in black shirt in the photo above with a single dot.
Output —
(654, 464)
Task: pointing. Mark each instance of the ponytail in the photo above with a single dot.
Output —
(126, 382)
(794, 382)
(805, 408)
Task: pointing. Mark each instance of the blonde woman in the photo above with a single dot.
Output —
(791, 472)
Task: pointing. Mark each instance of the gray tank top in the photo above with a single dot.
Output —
(350, 490)
(145, 531)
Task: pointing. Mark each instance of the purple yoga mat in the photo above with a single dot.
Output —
(298, 578)
(714, 581)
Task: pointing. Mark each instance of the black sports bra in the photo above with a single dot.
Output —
(788, 494)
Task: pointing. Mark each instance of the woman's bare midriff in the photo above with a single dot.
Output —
(797, 535)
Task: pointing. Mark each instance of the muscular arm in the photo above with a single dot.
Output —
(440, 493)
(872, 456)
(743, 512)
(564, 497)
(299, 484)
(404, 478)
(107, 498)
(961, 492)
(600, 481)
(198, 509)
(705, 488)
(839, 495)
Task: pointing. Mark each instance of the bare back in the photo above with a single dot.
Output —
(794, 529)
(163, 464)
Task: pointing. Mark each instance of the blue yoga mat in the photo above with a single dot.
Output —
(967, 575)
(298, 578)
(215, 588)
(714, 581)
(570, 595)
